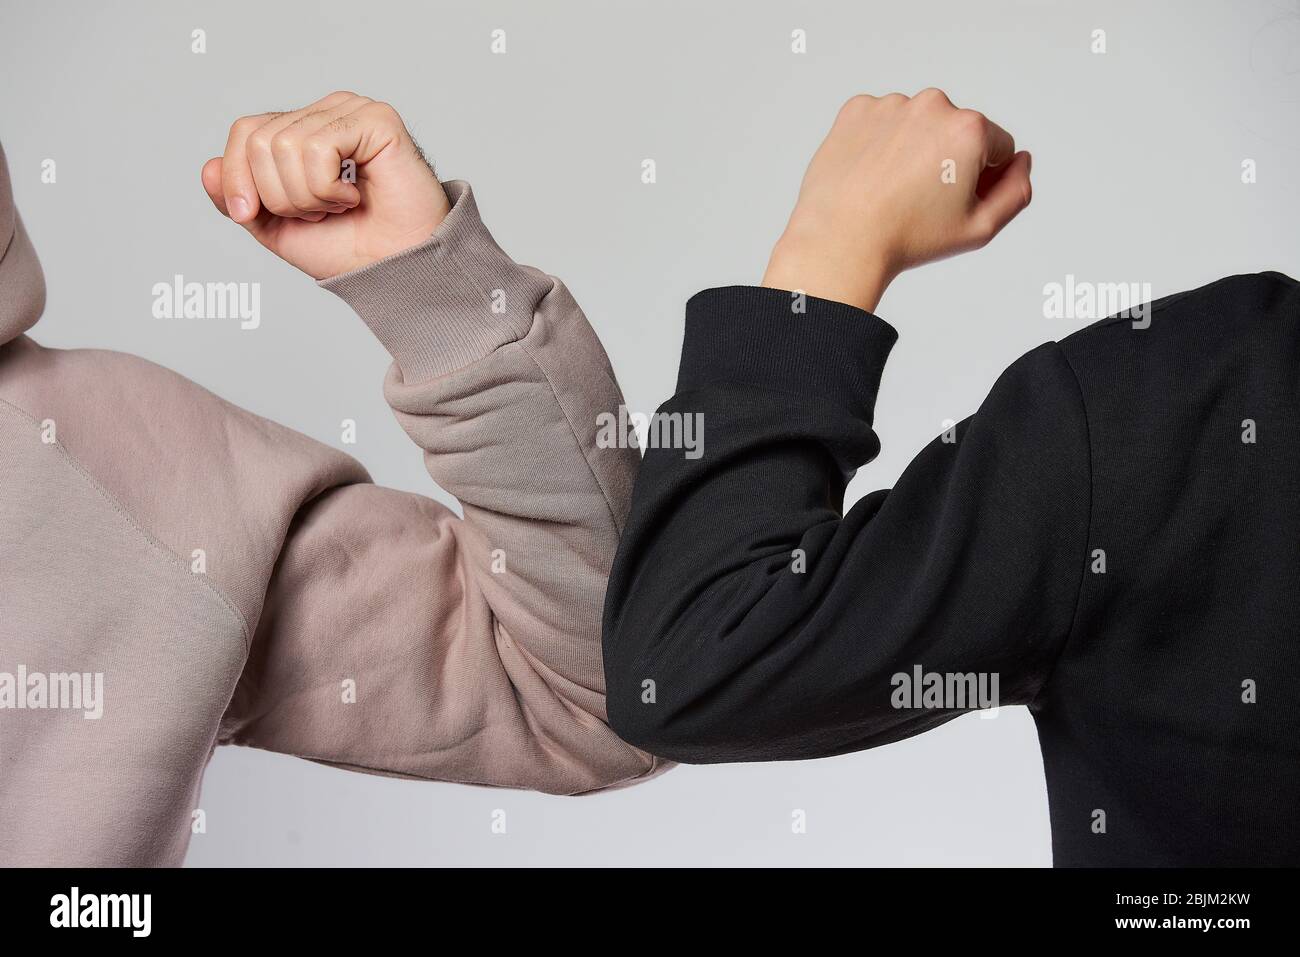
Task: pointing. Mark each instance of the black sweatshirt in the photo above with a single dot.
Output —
(1114, 537)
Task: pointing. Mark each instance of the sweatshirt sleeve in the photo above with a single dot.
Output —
(398, 638)
(750, 618)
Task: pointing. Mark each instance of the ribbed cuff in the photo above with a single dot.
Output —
(448, 302)
(751, 335)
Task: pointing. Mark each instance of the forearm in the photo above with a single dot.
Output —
(499, 379)
(727, 556)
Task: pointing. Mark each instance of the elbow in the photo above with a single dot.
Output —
(640, 725)
(670, 736)
(666, 696)
(579, 757)
(663, 715)
(622, 765)
(632, 702)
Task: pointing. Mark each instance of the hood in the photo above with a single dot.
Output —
(22, 284)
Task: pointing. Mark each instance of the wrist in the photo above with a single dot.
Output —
(409, 207)
(449, 301)
(828, 271)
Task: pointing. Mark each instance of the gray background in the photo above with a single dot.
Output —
(1136, 175)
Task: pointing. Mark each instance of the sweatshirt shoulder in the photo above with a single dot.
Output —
(105, 395)
(1223, 305)
(1037, 404)
(1042, 376)
(1188, 351)
(194, 470)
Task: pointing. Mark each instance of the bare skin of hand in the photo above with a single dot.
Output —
(281, 178)
(898, 182)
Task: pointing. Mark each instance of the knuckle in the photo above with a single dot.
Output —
(933, 96)
(857, 105)
(970, 122)
(983, 228)
(283, 143)
(242, 127)
(259, 141)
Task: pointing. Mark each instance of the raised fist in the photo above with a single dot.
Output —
(329, 188)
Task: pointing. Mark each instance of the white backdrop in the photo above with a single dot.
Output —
(1138, 157)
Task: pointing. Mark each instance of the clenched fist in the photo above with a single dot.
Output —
(283, 178)
(898, 182)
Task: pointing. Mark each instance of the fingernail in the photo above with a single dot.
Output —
(239, 208)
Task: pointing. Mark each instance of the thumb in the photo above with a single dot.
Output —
(211, 179)
(1004, 192)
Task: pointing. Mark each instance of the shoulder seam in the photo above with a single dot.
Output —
(157, 544)
(1087, 535)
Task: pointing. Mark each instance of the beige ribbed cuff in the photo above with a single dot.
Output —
(448, 302)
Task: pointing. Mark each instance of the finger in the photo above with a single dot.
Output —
(267, 153)
(237, 184)
(999, 145)
(310, 166)
(360, 136)
(286, 153)
(266, 175)
(213, 179)
(1008, 192)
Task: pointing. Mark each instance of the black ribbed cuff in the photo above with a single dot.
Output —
(773, 339)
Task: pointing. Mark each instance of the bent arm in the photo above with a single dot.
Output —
(749, 618)
(398, 638)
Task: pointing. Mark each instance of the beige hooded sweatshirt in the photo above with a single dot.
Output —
(177, 573)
